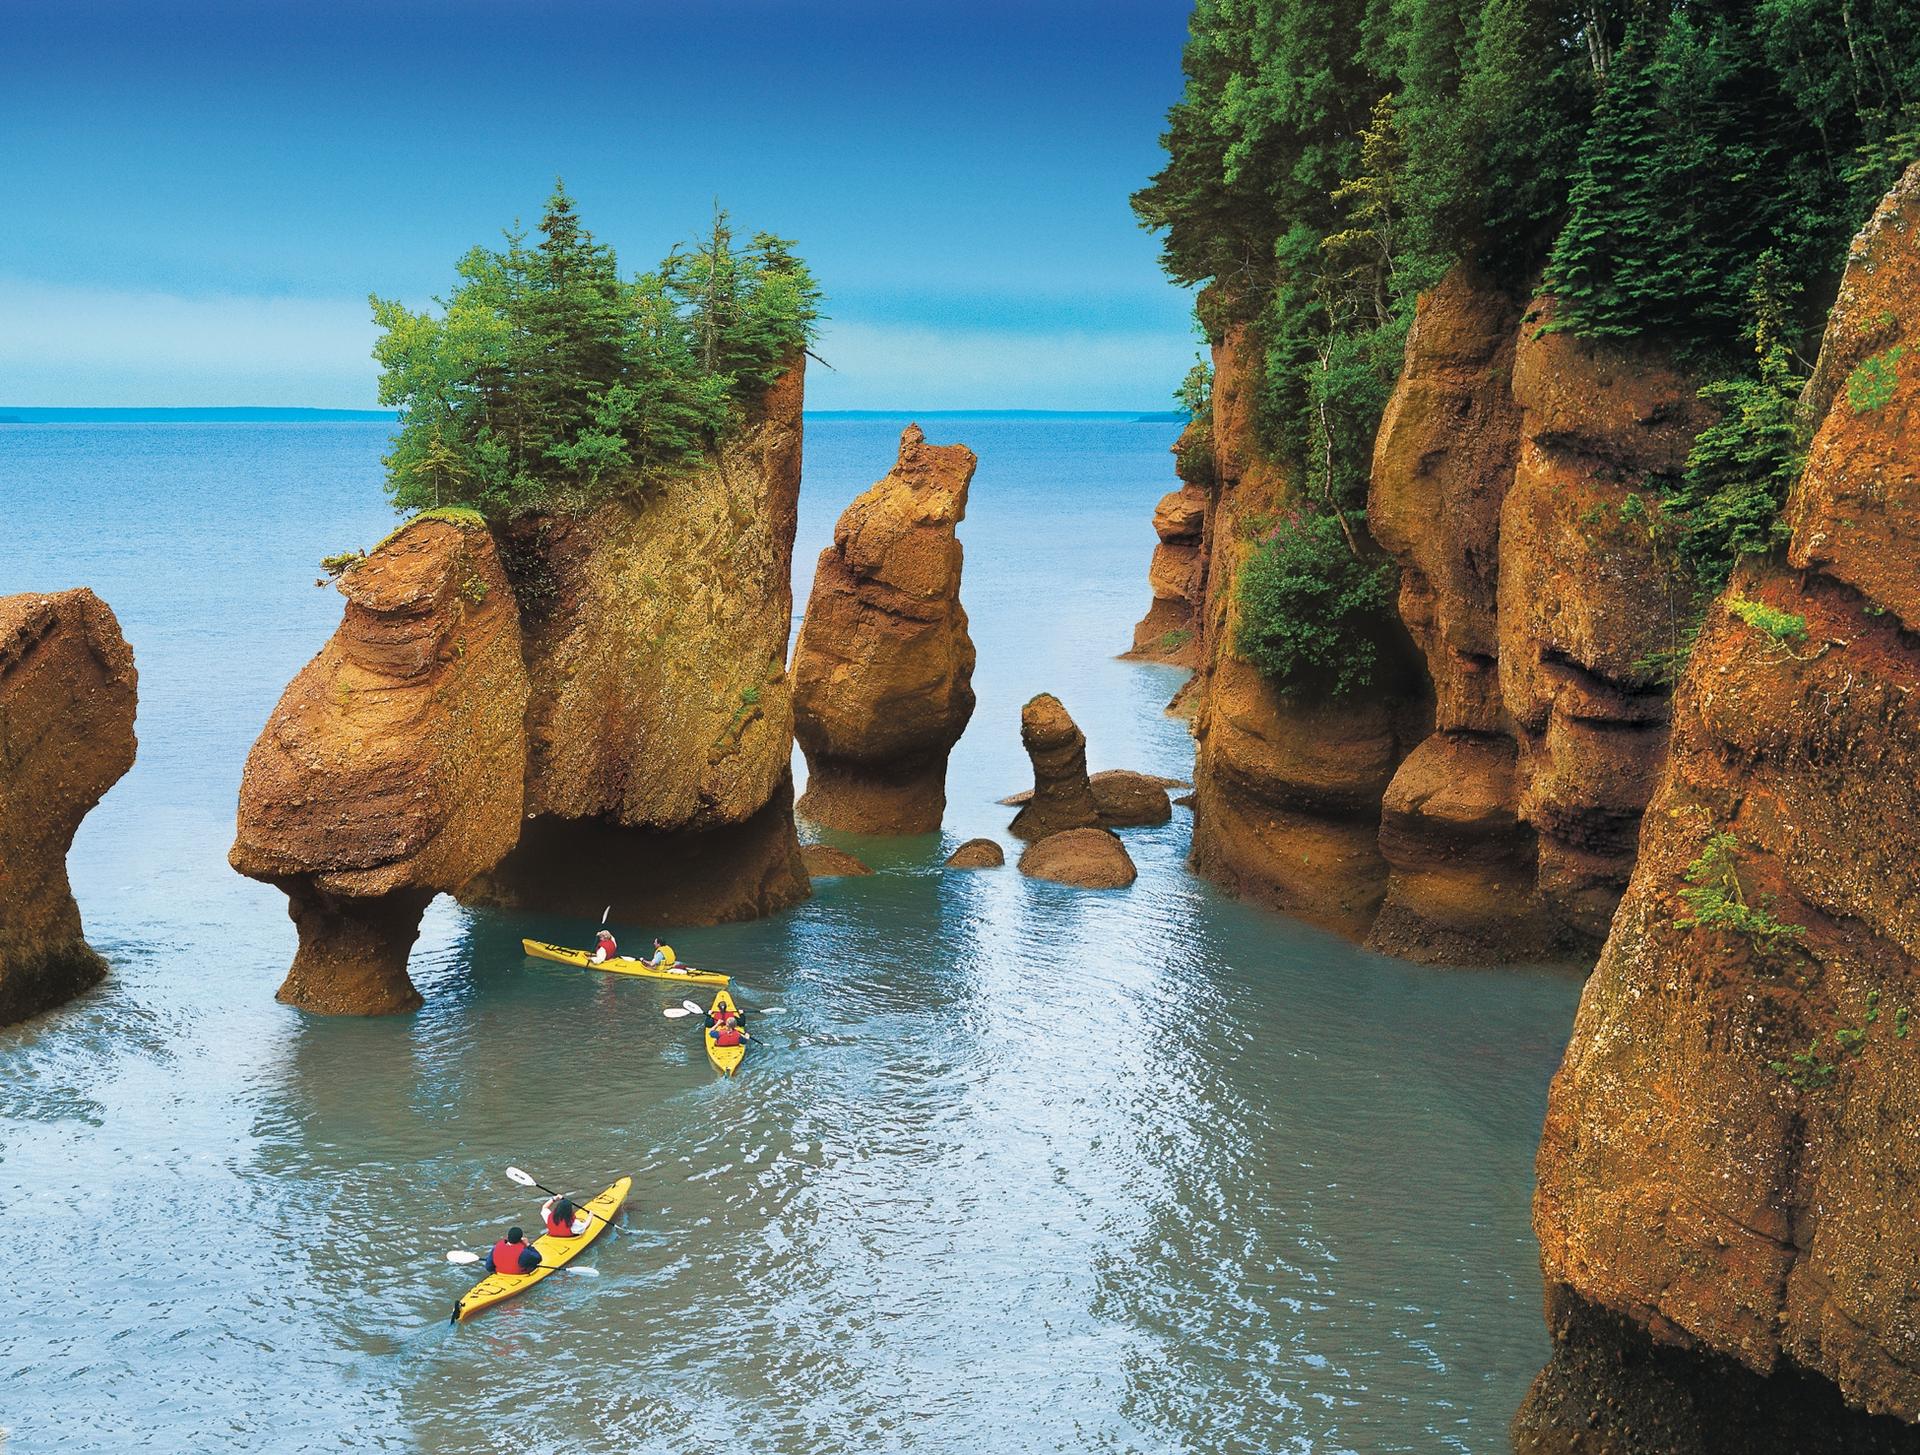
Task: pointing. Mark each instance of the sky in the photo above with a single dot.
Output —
(200, 196)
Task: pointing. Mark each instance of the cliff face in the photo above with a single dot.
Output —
(1177, 574)
(67, 688)
(1287, 791)
(661, 721)
(391, 769)
(577, 712)
(1729, 1159)
(883, 668)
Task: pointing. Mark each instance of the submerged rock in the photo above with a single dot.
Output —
(977, 854)
(826, 862)
(67, 691)
(1062, 797)
(1126, 799)
(391, 769)
(1728, 1158)
(1085, 858)
(884, 666)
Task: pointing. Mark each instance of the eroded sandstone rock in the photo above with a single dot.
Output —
(67, 690)
(1126, 799)
(824, 861)
(883, 668)
(1729, 1153)
(1062, 797)
(977, 854)
(1086, 858)
(1177, 573)
(391, 769)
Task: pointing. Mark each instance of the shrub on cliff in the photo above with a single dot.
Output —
(1311, 607)
(547, 379)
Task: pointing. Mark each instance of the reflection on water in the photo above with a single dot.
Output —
(1020, 1168)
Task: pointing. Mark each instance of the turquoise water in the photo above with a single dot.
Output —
(1020, 1169)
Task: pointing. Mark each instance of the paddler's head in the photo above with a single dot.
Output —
(606, 935)
(658, 942)
(514, 1235)
(563, 1210)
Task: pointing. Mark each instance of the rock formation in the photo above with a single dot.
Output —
(883, 667)
(565, 713)
(977, 854)
(391, 769)
(67, 688)
(1587, 603)
(1729, 1156)
(826, 862)
(1084, 858)
(1062, 797)
(1462, 888)
(1125, 799)
(1287, 790)
(1177, 574)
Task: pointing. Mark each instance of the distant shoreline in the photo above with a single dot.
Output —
(246, 414)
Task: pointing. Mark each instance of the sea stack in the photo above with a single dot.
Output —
(67, 690)
(883, 668)
(391, 770)
(1062, 797)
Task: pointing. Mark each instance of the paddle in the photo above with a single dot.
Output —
(460, 1255)
(525, 1179)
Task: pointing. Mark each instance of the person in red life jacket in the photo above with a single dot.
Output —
(513, 1254)
(728, 1032)
(603, 951)
(563, 1219)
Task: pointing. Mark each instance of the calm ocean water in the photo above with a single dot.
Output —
(1262, 1192)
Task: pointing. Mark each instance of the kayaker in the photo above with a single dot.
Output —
(513, 1254)
(729, 1015)
(663, 956)
(728, 1032)
(563, 1219)
(605, 950)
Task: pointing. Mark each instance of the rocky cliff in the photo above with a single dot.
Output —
(883, 668)
(391, 769)
(67, 688)
(565, 712)
(1177, 573)
(1729, 1157)
(1287, 790)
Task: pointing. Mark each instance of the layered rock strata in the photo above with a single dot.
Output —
(391, 769)
(883, 668)
(1062, 796)
(1729, 1160)
(67, 695)
(567, 713)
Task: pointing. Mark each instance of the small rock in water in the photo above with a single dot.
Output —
(1126, 799)
(1084, 858)
(977, 854)
(826, 862)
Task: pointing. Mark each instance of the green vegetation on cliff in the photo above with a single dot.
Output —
(545, 377)
(1666, 164)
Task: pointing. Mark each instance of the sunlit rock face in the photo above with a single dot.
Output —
(883, 669)
(1730, 1158)
(67, 690)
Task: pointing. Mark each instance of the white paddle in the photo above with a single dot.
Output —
(525, 1179)
(460, 1255)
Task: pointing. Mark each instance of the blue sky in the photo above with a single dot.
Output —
(201, 195)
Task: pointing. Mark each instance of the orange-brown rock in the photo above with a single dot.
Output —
(1587, 603)
(1287, 790)
(391, 769)
(1177, 573)
(1084, 858)
(1462, 888)
(67, 689)
(660, 726)
(1126, 799)
(977, 854)
(883, 668)
(1729, 1156)
(1062, 797)
(824, 861)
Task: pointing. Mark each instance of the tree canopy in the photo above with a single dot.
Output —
(545, 379)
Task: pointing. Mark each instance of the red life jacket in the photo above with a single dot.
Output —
(609, 946)
(505, 1257)
(558, 1228)
(726, 1034)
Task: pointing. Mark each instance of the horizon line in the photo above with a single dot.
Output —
(134, 413)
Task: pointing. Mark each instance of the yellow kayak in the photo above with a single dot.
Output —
(726, 1059)
(620, 964)
(554, 1253)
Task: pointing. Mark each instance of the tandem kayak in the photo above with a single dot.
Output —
(620, 964)
(726, 1059)
(555, 1253)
